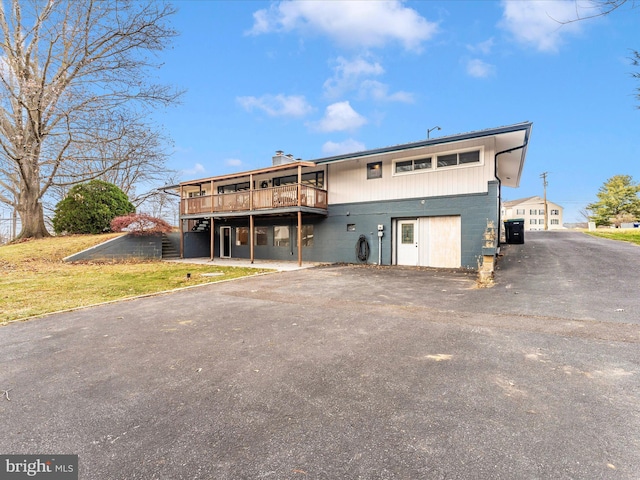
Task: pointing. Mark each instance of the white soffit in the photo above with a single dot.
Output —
(511, 163)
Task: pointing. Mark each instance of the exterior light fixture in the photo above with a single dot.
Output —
(431, 130)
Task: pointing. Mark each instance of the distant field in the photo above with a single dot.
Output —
(34, 280)
(627, 235)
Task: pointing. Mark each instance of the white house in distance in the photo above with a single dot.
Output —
(432, 203)
(531, 209)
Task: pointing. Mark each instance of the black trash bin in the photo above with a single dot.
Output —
(514, 230)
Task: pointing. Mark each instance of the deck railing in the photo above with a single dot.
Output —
(264, 198)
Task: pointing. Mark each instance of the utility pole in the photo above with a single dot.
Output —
(543, 176)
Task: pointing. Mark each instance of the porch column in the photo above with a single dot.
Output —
(212, 239)
(181, 226)
(251, 192)
(251, 234)
(299, 238)
(299, 185)
(212, 198)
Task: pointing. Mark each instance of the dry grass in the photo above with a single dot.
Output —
(627, 235)
(34, 280)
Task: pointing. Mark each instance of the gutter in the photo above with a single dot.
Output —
(495, 166)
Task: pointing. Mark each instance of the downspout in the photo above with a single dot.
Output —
(495, 166)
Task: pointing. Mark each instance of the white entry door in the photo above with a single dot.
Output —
(407, 250)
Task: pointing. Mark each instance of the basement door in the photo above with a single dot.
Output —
(407, 246)
(436, 242)
(225, 242)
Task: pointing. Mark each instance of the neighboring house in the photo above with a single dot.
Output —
(427, 203)
(531, 209)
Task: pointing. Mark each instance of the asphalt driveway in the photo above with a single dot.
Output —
(346, 372)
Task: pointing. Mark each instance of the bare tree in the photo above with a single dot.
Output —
(75, 94)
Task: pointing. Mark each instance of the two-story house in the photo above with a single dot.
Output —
(426, 203)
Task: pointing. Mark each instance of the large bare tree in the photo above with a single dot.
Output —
(76, 95)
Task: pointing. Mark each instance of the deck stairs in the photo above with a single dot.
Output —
(202, 225)
(168, 250)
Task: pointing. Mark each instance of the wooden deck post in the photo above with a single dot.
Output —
(299, 215)
(212, 239)
(181, 221)
(251, 228)
(181, 226)
(299, 238)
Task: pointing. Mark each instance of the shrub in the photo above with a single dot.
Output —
(89, 208)
(140, 224)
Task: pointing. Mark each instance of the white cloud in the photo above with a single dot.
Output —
(347, 75)
(352, 23)
(348, 146)
(233, 162)
(197, 168)
(354, 75)
(539, 23)
(479, 69)
(277, 105)
(380, 91)
(482, 47)
(340, 117)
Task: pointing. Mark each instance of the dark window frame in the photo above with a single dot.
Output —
(374, 170)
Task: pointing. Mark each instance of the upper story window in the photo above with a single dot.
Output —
(413, 165)
(234, 187)
(555, 212)
(460, 158)
(520, 211)
(432, 163)
(533, 211)
(374, 170)
(315, 179)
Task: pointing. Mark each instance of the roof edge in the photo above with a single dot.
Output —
(429, 142)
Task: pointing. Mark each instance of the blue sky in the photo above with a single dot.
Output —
(320, 78)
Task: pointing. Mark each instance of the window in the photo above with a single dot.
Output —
(242, 236)
(520, 211)
(261, 236)
(412, 165)
(201, 193)
(235, 187)
(447, 160)
(307, 235)
(407, 233)
(461, 158)
(540, 212)
(555, 221)
(533, 221)
(315, 179)
(533, 212)
(281, 236)
(351, 227)
(404, 166)
(374, 170)
(555, 212)
(469, 157)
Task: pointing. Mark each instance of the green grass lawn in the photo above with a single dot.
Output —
(627, 235)
(34, 280)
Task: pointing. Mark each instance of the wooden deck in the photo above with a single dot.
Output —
(296, 195)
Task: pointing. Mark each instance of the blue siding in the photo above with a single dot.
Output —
(333, 243)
